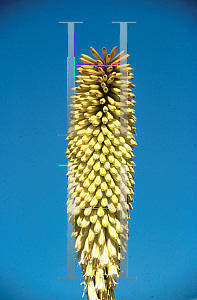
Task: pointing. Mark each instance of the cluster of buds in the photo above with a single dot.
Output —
(100, 176)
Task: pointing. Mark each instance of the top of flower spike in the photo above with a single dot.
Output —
(107, 58)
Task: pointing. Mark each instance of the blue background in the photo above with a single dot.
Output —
(33, 106)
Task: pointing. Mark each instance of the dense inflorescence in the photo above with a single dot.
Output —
(96, 151)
